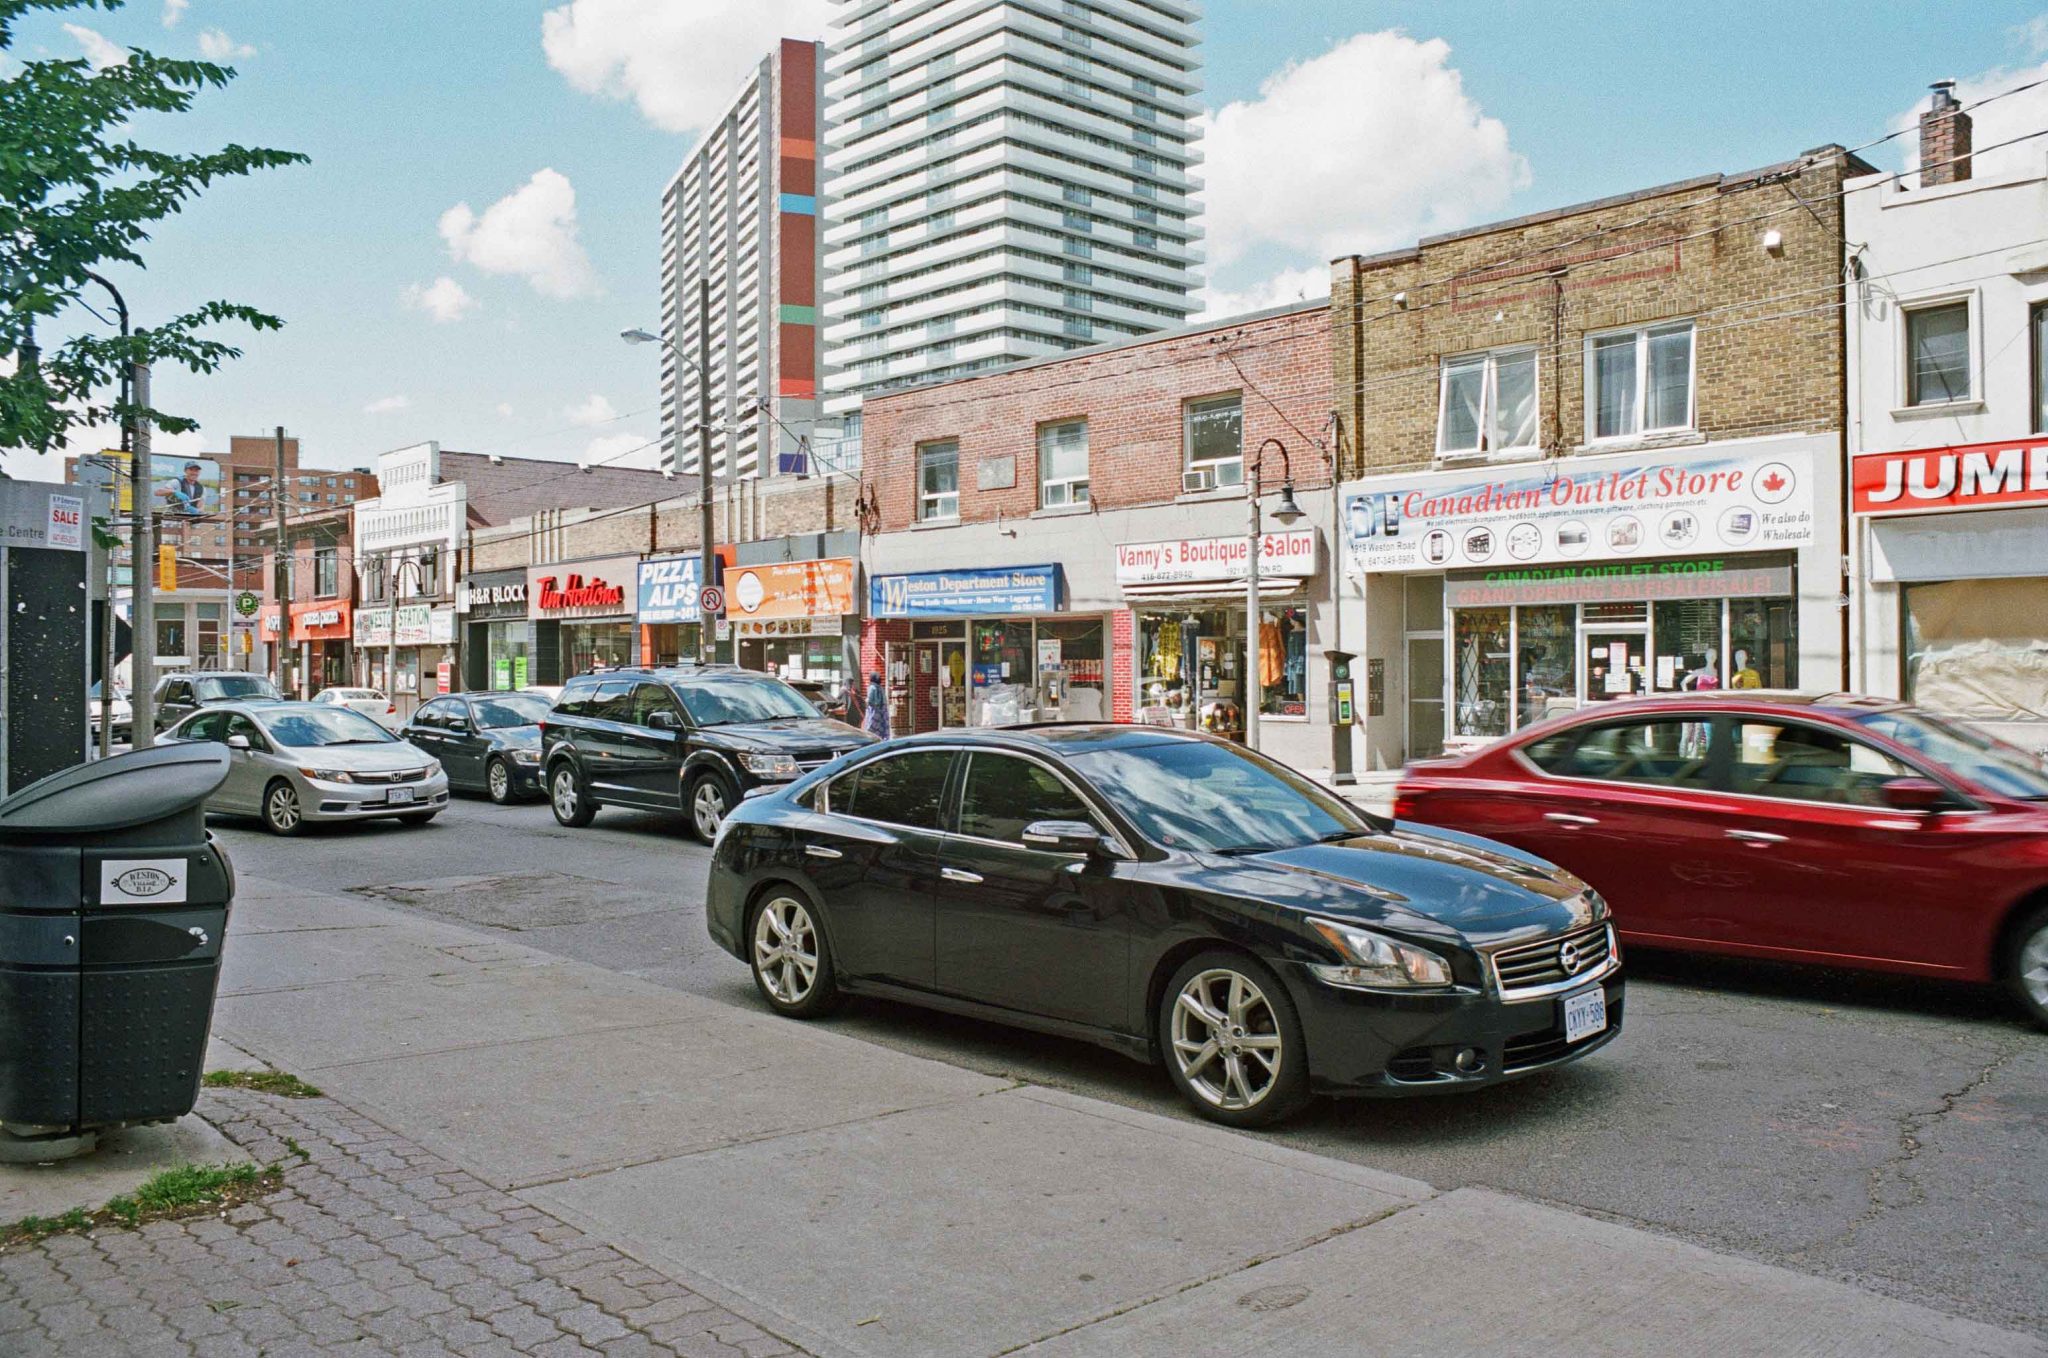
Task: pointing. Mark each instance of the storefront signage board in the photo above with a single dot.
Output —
(580, 589)
(415, 626)
(1967, 476)
(790, 589)
(1582, 509)
(318, 621)
(668, 589)
(1290, 555)
(966, 593)
(1620, 582)
(492, 598)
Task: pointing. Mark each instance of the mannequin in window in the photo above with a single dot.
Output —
(1745, 675)
(1707, 675)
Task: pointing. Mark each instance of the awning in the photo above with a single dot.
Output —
(1224, 590)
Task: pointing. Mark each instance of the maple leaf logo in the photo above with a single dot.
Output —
(1774, 483)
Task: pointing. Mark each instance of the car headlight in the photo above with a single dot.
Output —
(329, 775)
(526, 756)
(433, 767)
(776, 768)
(1375, 962)
(1596, 906)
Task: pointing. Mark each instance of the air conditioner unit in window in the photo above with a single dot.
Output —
(1201, 478)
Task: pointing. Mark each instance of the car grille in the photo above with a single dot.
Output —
(401, 776)
(1535, 1049)
(1535, 965)
(816, 759)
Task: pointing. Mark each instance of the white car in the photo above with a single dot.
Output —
(121, 715)
(371, 702)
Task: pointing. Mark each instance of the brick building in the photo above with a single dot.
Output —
(1067, 538)
(315, 625)
(1596, 452)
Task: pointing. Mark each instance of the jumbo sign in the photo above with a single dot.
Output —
(1967, 476)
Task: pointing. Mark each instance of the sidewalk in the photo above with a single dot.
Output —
(849, 1199)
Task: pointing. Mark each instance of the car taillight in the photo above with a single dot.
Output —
(1404, 805)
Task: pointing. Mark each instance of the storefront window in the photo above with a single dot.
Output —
(810, 659)
(1480, 645)
(1978, 649)
(588, 646)
(1548, 652)
(211, 640)
(170, 629)
(1002, 691)
(1763, 643)
(1688, 645)
(1193, 669)
(673, 643)
(507, 656)
(1283, 662)
(1072, 685)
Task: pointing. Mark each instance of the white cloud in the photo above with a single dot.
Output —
(504, 410)
(1369, 145)
(444, 299)
(385, 405)
(1288, 285)
(216, 45)
(642, 451)
(679, 61)
(99, 49)
(2010, 117)
(596, 410)
(174, 10)
(531, 233)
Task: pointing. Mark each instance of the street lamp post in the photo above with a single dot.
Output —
(705, 530)
(1286, 513)
(141, 552)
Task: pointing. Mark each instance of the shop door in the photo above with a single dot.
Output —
(941, 688)
(1617, 664)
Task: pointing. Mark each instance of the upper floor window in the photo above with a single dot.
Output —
(326, 572)
(1640, 381)
(1215, 442)
(938, 481)
(1488, 403)
(2040, 328)
(1063, 464)
(1938, 354)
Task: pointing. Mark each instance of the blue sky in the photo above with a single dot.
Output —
(1441, 115)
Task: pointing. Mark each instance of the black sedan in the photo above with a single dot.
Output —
(1171, 896)
(488, 742)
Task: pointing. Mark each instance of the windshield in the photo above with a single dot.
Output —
(309, 726)
(729, 699)
(1989, 763)
(227, 686)
(1189, 794)
(510, 709)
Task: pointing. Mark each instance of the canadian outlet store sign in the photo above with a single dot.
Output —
(1969, 476)
(1583, 509)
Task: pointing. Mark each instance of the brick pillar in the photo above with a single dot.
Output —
(1123, 664)
(1945, 138)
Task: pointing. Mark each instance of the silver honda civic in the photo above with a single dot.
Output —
(297, 763)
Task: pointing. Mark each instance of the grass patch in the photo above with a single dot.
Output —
(187, 1190)
(282, 1083)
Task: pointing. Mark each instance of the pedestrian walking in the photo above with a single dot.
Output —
(876, 719)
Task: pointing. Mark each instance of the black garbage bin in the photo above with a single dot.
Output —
(113, 902)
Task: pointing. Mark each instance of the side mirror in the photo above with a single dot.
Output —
(238, 742)
(1067, 836)
(664, 720)
(1922, 795)
(458, 726)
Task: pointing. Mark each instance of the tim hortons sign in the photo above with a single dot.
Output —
(584, 589)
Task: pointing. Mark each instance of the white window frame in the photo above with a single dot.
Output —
(1902, 375)
(1187, 439)
(1072, 490)
(932, 507)
(1642, 335)
(1490, 358)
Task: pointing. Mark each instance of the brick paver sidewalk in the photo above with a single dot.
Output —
(373, 1246)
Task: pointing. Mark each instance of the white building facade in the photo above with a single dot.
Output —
(405, 552)
(742, 213)
(1948, 400)
(1009, 179)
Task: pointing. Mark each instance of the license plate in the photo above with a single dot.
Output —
(1585, 1014)
(400, 796)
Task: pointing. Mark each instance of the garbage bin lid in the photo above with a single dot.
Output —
(117, 793)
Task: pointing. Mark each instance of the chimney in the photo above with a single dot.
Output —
(1944, 139)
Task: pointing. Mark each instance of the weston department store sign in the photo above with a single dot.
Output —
(1561, 510)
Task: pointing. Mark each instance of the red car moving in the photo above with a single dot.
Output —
(1846, 831)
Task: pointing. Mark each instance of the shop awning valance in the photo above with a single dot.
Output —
(1225, 591)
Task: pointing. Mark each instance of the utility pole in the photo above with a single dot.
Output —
(282, 581)
(391, 639)
(142, 550)
(707, 626)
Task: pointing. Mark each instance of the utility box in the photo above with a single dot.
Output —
(113, 903)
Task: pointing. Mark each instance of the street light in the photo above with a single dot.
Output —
(1287, 513)
(141, 595)
(705, 626)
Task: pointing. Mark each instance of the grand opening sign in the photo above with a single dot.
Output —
(1582, 508)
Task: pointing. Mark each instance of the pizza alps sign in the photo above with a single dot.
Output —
(1965, 476)
(581, 589)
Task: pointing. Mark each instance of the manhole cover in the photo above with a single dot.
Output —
(1273, 1298)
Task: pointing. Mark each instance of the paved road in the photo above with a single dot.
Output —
(1890, 1134)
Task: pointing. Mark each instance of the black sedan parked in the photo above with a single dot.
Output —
(1171, 896)
(488, 742)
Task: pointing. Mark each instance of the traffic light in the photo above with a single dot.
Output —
(167, 568)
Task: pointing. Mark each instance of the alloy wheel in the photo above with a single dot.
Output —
(1226, 1039)
(786, 950)
(500, 782)
(707, 808)
(565, 793)
(282, 807)
(2033, 967)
